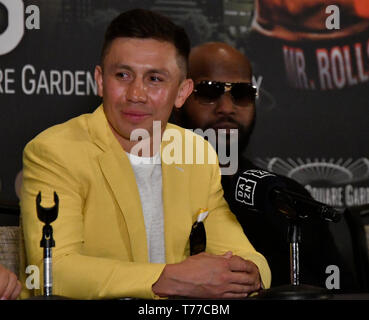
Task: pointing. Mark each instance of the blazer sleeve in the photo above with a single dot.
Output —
(75, 275)
(224, 233)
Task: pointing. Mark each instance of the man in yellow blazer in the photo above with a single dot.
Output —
(105, 246)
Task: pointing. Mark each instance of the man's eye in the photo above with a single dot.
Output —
(122, 75)
(155, 79)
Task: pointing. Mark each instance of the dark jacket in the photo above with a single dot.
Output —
(267, 232)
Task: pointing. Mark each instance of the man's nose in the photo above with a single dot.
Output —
(225, 105)
(137, 91)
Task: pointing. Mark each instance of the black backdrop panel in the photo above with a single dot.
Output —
(313, 122)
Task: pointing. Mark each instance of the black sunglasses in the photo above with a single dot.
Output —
(208, 92)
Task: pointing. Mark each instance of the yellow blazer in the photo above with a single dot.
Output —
(101, 248)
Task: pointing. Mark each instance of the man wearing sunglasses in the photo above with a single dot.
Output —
(224, 98)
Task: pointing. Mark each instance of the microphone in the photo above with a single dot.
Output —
(259, 190)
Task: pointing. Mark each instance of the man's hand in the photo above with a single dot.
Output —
(10, 287)
(209, 276)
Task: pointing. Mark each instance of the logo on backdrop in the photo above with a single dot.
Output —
(14, 32)
(337, 182)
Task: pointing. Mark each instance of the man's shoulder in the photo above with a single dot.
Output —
(189, 140)
(187, 134)
(181, 130)
(72, 131)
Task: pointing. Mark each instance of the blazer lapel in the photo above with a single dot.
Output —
(119, 174)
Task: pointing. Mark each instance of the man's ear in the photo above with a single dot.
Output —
(185, 89)
(99, 80)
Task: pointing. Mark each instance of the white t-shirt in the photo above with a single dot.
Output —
(149, 181)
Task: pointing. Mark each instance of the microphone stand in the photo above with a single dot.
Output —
(47, 215)
(294, 236)
(295, 290)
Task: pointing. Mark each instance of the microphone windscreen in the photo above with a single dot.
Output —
(253, 189)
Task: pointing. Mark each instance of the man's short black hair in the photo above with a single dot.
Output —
(146, 24)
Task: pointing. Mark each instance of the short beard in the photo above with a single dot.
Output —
(183, 119)
(244, 135)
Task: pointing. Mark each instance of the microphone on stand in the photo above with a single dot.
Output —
(264, 192)
(261, 191)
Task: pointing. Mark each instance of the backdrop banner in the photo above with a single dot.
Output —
(310, 62)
